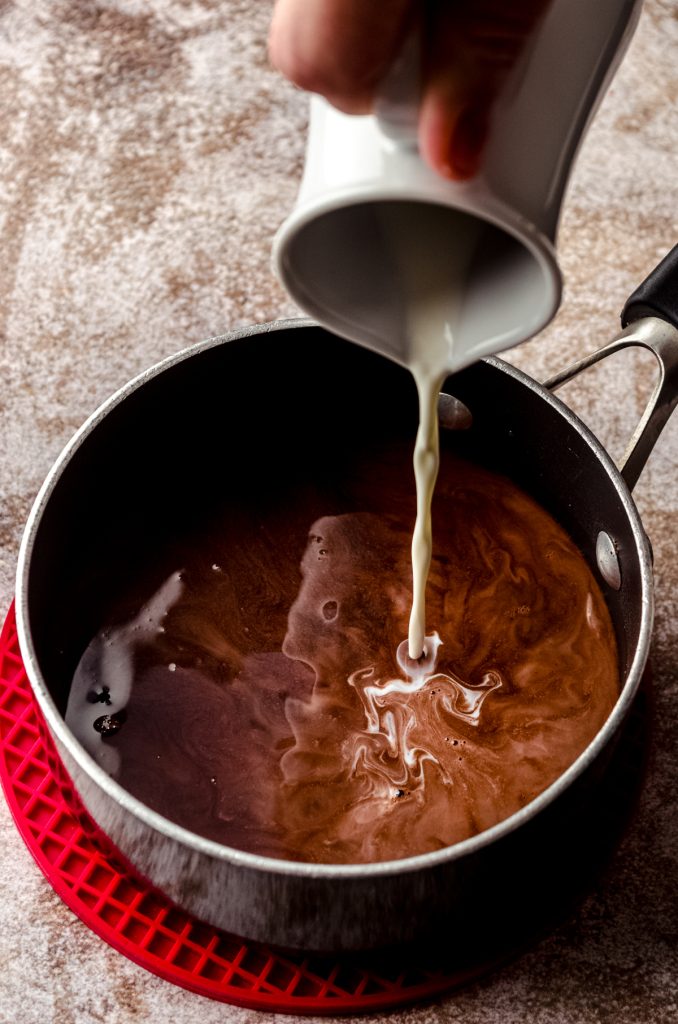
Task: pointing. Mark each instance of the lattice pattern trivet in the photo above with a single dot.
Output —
(82, 866)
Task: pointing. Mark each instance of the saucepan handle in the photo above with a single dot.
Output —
(650, 321)
(657, 295)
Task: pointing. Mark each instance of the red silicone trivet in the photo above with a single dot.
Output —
(84, 869)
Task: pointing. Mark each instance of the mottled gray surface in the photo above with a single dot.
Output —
(147, 154)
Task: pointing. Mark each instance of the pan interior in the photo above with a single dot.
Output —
(192, 441)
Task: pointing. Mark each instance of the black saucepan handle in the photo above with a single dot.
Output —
(657, 295)
(650, 321)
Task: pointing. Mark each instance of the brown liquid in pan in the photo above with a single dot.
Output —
(273, 709)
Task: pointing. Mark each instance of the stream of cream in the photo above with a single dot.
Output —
(426, 463)
(431, 265)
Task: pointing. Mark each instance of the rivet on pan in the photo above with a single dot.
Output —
(608, 560)
(453, 414)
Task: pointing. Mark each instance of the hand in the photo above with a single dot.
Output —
(343, 48)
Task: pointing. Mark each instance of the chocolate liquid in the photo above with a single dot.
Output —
(263, 695)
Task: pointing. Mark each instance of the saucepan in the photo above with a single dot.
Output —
(281, 402)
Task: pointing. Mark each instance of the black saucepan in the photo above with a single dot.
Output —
(225, 416)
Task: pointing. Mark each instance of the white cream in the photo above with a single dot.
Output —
(426, 462)
(431, 265)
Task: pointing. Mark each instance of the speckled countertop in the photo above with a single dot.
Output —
(147, 154)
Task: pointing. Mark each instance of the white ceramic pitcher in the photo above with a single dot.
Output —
(334, 259)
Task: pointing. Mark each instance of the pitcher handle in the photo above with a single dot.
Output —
(398, 97)
(650, 321)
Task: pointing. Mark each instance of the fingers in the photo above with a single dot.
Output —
(343, 48)
(471, 48)
(339, 48)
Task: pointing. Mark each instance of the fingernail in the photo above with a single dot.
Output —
(468, 140)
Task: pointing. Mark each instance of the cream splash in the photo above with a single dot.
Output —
(387, 752)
